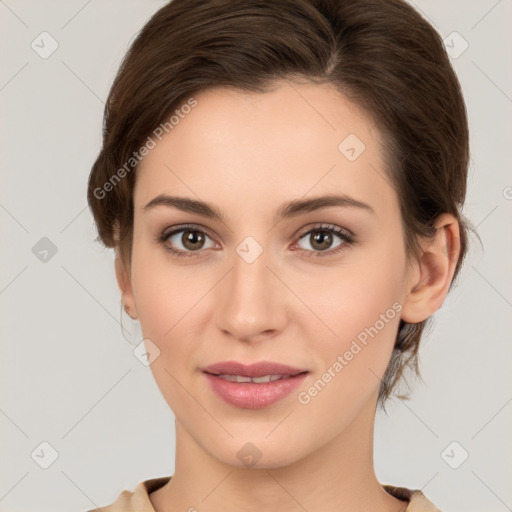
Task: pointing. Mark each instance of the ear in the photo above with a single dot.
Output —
(125, 286)
(431, 275)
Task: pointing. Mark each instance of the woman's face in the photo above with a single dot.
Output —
(266, 282)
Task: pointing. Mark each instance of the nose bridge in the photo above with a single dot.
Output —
(250, 302)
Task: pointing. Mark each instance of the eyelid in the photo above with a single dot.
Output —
(327, 226)
(170, 230)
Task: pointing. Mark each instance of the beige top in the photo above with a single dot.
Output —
(138, 500)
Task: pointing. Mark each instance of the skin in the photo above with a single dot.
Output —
(247, 154)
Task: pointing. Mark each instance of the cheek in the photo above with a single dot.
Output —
(351, 363)
(155, 301)
(172, 307)
(167, 305)
(162, 295)
(360, 311)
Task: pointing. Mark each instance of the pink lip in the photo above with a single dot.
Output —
(251, 395)
(252, 370)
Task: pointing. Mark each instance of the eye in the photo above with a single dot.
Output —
(184, 241)
(188, 240)
(321, 238)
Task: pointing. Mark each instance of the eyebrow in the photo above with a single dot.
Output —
(291, 209)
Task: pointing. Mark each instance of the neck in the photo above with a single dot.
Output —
(339, 476)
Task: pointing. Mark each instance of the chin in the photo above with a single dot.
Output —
(260, 453)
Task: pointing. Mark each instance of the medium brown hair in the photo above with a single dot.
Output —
(381, 54)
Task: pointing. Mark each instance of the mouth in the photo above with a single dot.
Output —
(260, 369)
(253, 386)
(258, 380)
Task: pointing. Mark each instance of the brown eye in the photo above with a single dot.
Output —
(321, 240)
(185, 241)
(192, 240)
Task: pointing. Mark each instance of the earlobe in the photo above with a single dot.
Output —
(125, 287)
(431, 275)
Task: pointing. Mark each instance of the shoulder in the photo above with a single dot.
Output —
(417, 500)
(136, 500)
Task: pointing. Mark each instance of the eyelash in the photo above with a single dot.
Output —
(347, 240)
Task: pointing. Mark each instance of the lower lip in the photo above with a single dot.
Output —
(250, 395)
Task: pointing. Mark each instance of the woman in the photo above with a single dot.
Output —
(282, 183)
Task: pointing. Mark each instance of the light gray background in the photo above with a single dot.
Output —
(69, 377)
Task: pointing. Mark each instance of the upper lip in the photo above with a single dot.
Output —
(252, 370)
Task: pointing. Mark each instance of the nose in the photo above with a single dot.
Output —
(251, 300)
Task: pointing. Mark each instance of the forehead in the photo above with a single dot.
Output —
(255, 149)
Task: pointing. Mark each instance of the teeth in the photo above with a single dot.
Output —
(258, 380)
